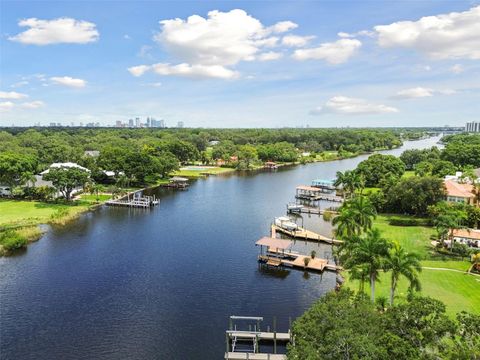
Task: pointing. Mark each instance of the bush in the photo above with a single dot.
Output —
(11, 240)
(405, 222)
(327, 216)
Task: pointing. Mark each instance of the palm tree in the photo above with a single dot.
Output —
(350, 181)
(402, 263)
(369, 251)
(364, 212)
(355, 215)
(346, 223)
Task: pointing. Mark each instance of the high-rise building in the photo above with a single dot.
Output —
(137, 122)
(180, 124)
(150, 121)
(130, 123)
(161, 123)
(473, 126)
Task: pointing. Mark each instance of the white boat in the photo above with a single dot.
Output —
(294, 207)
(285, 223)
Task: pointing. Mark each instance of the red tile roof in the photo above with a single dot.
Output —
(459, 190)
(467, 233)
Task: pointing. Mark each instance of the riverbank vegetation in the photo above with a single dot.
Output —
(396, 217)
(345, 325)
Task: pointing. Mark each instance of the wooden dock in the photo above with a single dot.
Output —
(304, 234)
(296, 260)
(245, 344)
(252, 356)
(135, 201)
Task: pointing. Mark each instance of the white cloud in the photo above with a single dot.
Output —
(126, 37)
(68, 81)
(335, 53)
(33, 104)
(12, 95)
(351, 106)
(358, 33)
(211, 46)
(271, 55)
(447, 36)
(56, 31)
(6, 106)
(195, 71)
(296, 41)
(283, 26)
(421, 92)
(412, 93)
(139, 70)
(457, 69)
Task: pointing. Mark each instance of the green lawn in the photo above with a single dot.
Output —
(457, 290)
(408, 173)
(413, 238)
(24, 212)
(195, 173)
(89, 198)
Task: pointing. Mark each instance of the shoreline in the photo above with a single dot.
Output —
(67, 217)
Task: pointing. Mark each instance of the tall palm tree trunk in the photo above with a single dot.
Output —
(372, 287)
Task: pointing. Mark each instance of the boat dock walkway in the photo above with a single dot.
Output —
(297, 260)
(135, 201)
(305, 234)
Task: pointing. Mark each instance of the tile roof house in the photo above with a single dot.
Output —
(457, 192)
(468, 237)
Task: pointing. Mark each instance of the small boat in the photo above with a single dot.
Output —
(285, 223)
(294, 208)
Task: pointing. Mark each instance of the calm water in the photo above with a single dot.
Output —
(160, 284)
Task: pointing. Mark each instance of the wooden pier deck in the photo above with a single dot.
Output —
(304, 234)
(315, 264)
(252, 356)
(261, 335)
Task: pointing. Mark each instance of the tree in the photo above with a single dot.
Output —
(355, 215)
(351, 181)
(247, 154)
(378, 167)
(401, 263)
(446, 218)
(414, 195)
(370, 251)
(66, 179)
(15, 166)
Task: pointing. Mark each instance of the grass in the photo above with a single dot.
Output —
(408, 174)
(92, 199)
(194, 173)
(412, 238)
(22, 212)
(456, 290)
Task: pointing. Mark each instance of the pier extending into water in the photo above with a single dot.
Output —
(301, 233)
(279, 253)
(135, 201)
(244, 342)
(315, 194)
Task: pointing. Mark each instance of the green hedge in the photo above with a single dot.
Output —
(407, 222)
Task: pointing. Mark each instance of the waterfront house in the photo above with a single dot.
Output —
(457, 192)
(469, 237)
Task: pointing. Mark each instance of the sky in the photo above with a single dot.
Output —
(241, 64)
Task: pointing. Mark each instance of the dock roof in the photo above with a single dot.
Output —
(308, 188)
(274, 243)
(178, 179)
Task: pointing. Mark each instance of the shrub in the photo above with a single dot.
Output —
(306, 261)
(405, 222)
(11, 240)
(327, 216)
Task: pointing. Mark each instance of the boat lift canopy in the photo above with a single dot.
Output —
(279, 244)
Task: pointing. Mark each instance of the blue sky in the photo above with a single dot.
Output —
(241, 64)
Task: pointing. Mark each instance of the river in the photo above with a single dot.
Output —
(161, 283)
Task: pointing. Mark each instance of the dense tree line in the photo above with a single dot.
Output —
(343, 325)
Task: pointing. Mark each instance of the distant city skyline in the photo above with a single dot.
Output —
(240, 64)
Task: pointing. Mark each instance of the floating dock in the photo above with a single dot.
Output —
(304, 234)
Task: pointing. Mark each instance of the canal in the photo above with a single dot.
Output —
(161, 283)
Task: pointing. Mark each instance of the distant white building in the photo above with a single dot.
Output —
(472, 127)
(64, 165)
